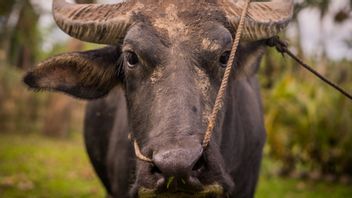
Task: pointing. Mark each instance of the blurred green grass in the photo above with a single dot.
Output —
(40, 167)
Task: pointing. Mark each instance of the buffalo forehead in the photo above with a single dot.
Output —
(170, 23)
(199, 27)
(180, 21)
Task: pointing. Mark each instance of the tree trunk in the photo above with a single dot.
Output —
(22, 38)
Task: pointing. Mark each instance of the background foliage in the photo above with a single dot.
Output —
(308, 123)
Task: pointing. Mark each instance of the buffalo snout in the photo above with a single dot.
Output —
(178, 161)
(179, 168)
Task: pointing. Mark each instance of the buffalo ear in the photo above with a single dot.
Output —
(88, 75)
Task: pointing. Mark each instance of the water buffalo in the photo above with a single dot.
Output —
(157, 79)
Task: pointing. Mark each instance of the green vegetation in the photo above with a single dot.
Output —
(39, 167)
(23, 111)
(309, 123)
(20, 110)
(275, 187)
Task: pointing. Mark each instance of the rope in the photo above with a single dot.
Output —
(221, 94)
(224, 84)
(138, 151)
(282, 47)
(139, 154)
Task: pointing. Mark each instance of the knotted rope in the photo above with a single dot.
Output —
(222, 91)
(282, 47)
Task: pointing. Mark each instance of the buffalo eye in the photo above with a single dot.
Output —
(224, 58)
(131, 59)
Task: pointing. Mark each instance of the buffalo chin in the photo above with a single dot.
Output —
(209, 191)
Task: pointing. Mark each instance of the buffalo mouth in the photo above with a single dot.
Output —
(209, 191)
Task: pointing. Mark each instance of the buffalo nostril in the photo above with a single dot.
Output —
(155, 170)
(194, 109)
(178, 161)
(200, 164)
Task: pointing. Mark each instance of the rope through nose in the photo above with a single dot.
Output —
(138, 151)
(139, 154)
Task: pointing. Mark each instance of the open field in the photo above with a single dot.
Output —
(36, 167)
(33, 166)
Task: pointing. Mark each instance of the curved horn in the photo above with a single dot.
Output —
(264, 19)
(104, 23)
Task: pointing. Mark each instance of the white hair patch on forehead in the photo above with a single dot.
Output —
(211, 45)
(170, 22)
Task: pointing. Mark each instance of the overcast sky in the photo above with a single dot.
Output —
(334, 35)
(312, 30)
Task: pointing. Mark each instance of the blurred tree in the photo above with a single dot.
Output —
(5, 9)
(19, 32)
(24, 40)
(323, 5)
